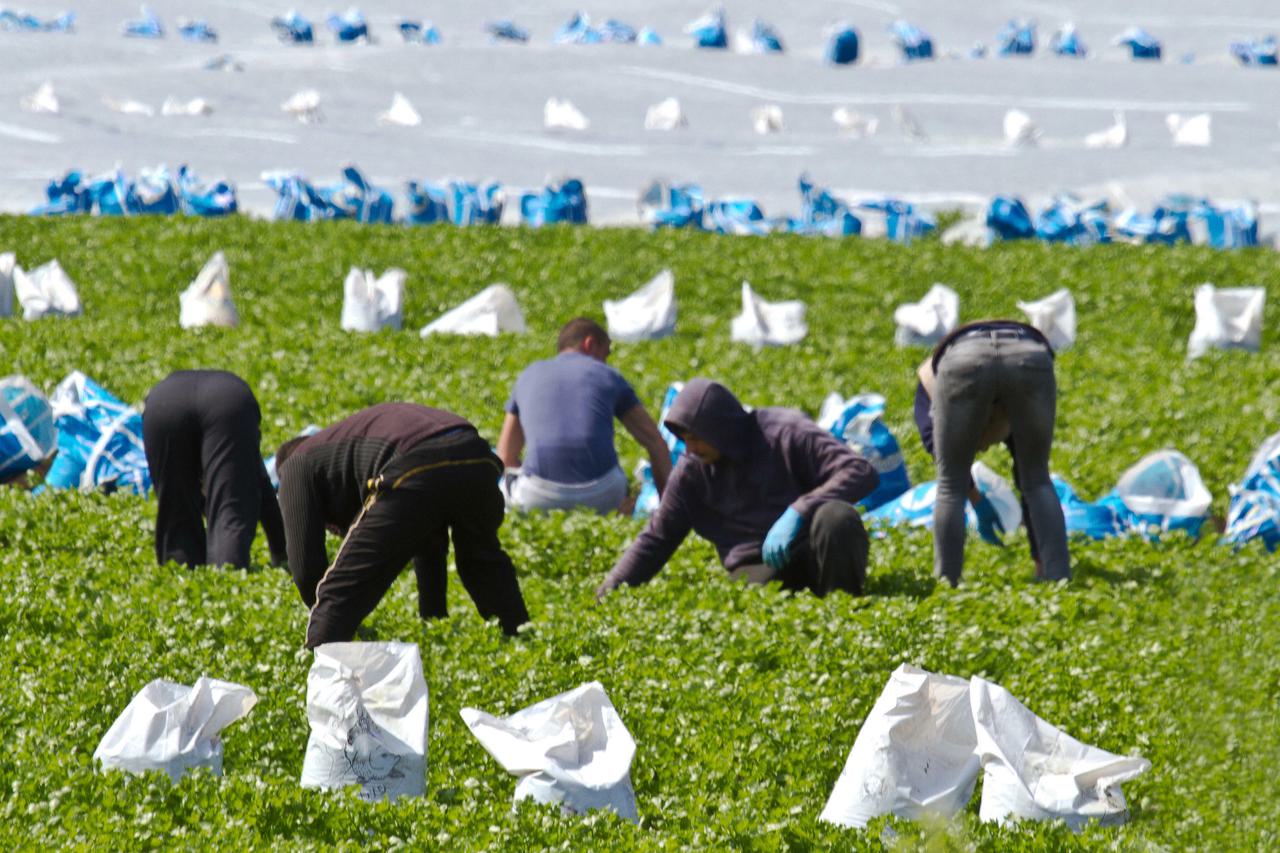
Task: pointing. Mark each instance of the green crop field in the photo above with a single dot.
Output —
(744, 702)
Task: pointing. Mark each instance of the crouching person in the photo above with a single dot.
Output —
(770, 489)
(396, 480)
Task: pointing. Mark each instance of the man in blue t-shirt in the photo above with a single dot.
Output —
(562, 409)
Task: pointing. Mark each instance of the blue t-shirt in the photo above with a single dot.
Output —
(566, 407)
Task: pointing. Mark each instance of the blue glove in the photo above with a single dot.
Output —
(778, 541)
(989, 526)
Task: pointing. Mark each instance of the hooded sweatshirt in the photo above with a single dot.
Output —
(771, 459)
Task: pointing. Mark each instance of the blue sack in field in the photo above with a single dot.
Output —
(26, 22)
(902, 222)
(577, 30)
(416, 32)
(428, 203)
(842, 45)
(648, 37)
(296, 199)
(355, 198)
(1230, 227)
(666, 205)
(152, 194)
(1167, 224)
(1008, 219)
(859, 423)
(65, 195)
(506, 30)
(1254, 511)
(1141, 44)
(737, 216)
(914, 42)
(823, 214)
(205, 199)
(709, 31)
(914, 507)
(99, 440)
(1018, 38)
(27, 434)
(350, 26)
(1067, 220)
(1066, 42)
(476, 204)
(197, 31)
(648, 499)
(555, 203)
(147, 27)
(1161, 493)
(109, 193)
(617, 32)
(1095, 520)
(1263, 52)
(764, 38)
(292, 28)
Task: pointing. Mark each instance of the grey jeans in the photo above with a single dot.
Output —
(973, 374)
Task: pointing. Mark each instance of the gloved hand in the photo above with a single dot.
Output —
(989, 526)
(778, 541)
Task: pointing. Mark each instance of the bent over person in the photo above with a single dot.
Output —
(395, 480)
(200, 431)
(770, 489)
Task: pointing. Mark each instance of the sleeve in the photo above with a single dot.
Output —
(666, 529)
(826, 467)
(924, 417)
(512, 407)
(626, 399)
(272, 521)
(303, 527)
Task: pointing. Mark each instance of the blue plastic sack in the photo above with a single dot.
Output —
(1018, 38)
(27, 434)
(350, 26)
(11, 21)
(355, 198)
(205, 199)
(1228, 228)
(476, 204)
(1167, 224)
(1263, 52)
(709, 31)
(1067, 220)
(428, 203)
(506, 30)
(1095, 520)
(99, 440)
(109, 193)
(648, 37)
(859, 423)
(842, 46)
(1066, 42)
(821, 213)
(914, 42)
(296, 199)
(152, 194)
(1008, 219)
(577, 30)
(292, 28)
(1162, 492)
(416, 32)
(148, 26)
(1141, 44)
(673, 205)
(197, 30)
(647, 500)
(914, 507)
(1254, 511)
(903, 223)
(617, 32)
(764, 38)
(557, 203)
(65, 195)
(741, 216)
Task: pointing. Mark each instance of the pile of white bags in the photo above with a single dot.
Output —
(371, 303)
(45, 291)
(768, 323)
(207, 301)
(921, 747)
(647, 314)
(172, 728)
(1055, 317)
(572, 750)
(491, 312)
(928, 321)
(367, 706)
(1230, 318)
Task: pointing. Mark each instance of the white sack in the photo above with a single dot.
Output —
(491, 312)
(172, 728)
(207, 301)
(304, 106)
(1034, 770)
(1019, 129)
(129, 107)
(647, 314)
(42, 100)
(999, 492)
(371, 303)
(8, 263)
(767, 119)
(400, 113)
(968, 232)
(1230, 318)
(853, 124)
(45, 291)
(367, 706)
(1164, 484)
(173, 106)
(768, 323)
(572, 750)
(1116, 136)
(1190, 130)
(560, 114)
(914, 755)
(928, 321)
(1055, 317)
(665, 115)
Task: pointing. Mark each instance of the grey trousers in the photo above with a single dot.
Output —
(973, 374)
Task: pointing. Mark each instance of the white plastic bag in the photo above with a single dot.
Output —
(400, 113)
(367, 706)
(8, 263)
(207, 301)
(767, 119)
(558, 114)
(1055, 317)
(1033, 770)
(647, 314)
(491, 312)
(665, 115)
(928, 321)
(1194, 130)
(1019, 129)
(1116, 136)
(173, 106)
(42, 100)
(768, 323)
(304, 105)
(45, 291)
(853, 124)
(914, 754)
(1161, 492)
(172, 728)
(572, 750)
(1230, 318)
(999, 493)
(371, 303)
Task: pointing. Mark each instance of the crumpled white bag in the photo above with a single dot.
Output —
(999, 492)
(1033, 770)
(491, 312)
(1227, 318)
(647, 314)
(128, 106)
(914, 754)
(665, 115)
(400, 113)
(370, 303)
(768, 323)
(853, 124)
(1164, 486)
(8, 263)
(572, 750)
(42, 100)
(1116, 136)
(1194, 130)
(45, 291)
(1019, 129)
(367, 706)
(174, 106)
(173, 728)
(304, 105)
(558, 114)
(207, 301)
(1055, 317)
(928, 321)
(767, 119)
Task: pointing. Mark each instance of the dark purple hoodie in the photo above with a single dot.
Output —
(771, 459)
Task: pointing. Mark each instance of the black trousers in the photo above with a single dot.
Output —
(445, 487)
(200, 433)
(831, 553)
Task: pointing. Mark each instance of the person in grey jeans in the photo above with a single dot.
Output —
(993, 381)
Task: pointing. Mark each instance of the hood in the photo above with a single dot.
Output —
(710, 411)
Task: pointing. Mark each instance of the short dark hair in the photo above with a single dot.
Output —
(286, 450)
(578, 330)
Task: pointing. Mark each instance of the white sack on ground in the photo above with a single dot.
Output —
(1019, 129)
(1055, 317)
(1190, 130)
(491, 312)
(370, 303)
(367, 706)
(768, 323)
(304, 106)
(1116, 136)
(8, 263)
(665, 115)
(767, 119)
(572, 750)
(207, 301)
(853, 124)
(173, 728)
(129, 107)
(914, 755)
(42, 100)
(968, 232)
(998, 491)
(1034, 770)
(928, 321)
(400, 113)
(177, 107)
(560, 114)
(45, 291)
(647, 314)
(1230, 318)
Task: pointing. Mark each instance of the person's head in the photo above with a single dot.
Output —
(286, 450)
(701, 449)
(584, 335)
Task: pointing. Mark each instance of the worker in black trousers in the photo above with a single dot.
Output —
(200, 429)
(396, 480)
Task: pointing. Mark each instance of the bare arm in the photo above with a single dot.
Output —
(511, 442)
(645, 431)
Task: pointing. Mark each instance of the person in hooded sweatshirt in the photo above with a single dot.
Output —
(770, 489)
